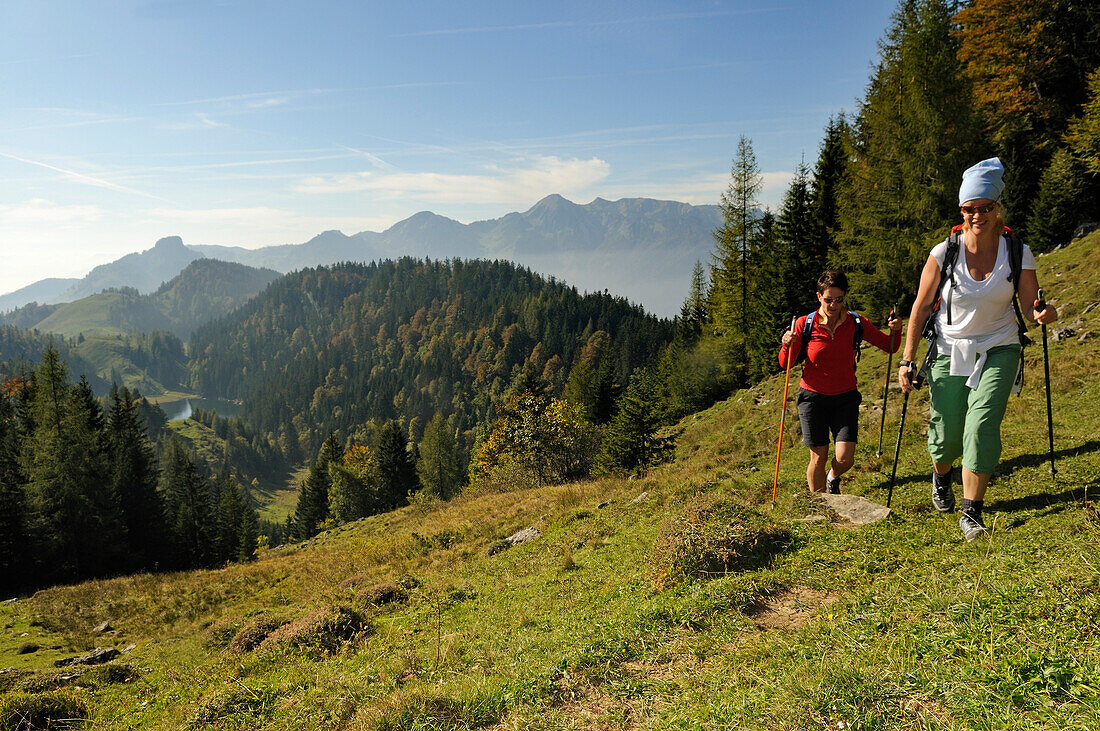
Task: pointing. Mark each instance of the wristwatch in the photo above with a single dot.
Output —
(902, 363)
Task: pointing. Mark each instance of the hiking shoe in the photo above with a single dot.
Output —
(972, 526)
(832, 486)
(943, 497)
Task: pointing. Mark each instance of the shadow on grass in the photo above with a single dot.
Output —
(1037, 459)
(1007, 468)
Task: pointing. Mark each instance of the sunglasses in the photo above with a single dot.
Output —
(975, 210)
(831, 300)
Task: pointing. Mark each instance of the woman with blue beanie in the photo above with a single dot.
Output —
(967, 286)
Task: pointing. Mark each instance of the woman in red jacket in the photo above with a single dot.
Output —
(828, 401)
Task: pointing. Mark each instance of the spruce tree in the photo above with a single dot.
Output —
(73, 515)
(134, 474)
(631, 441)
(829, 174)
(439, 468)
(249, 529)
(15, 560)
(312, 509)
(230, 515)
(735, 240)
(396, 470)
(189, 509)
(915, 133)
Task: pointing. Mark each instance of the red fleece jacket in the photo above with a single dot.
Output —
(830, 366)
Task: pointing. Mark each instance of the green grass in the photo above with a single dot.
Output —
(892, 626)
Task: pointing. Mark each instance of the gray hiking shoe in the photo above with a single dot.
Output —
(972, 526)
(832, 486)
(943, 497)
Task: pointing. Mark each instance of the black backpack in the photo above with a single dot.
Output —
(808, 327)
(947, 273)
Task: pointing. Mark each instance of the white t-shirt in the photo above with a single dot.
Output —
(982, 316)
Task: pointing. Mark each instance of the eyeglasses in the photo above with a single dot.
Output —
(977, 210)
(831, 300)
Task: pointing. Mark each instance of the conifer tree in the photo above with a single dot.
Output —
(829, 173)
(631, 439)
(230, 516)
(1084, 132)
(249, 527)
(15, 561)
(734, 241)
(439, 468)
(134, 475)
(74, 518)
(915, 133)
(1029, 64)
(800, 253)
(693, 313)
(355, 485)
(313, 499)
(1066, 198)
(189, 508)
(396, 470)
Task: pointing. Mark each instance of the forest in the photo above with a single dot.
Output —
(408, 380)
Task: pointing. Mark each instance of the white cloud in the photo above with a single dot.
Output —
(531, 180)
(41, 212)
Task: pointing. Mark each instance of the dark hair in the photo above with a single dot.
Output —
(832, 278)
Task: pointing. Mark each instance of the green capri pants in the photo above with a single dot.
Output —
(967, 422)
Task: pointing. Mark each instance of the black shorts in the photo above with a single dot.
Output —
(823, 415)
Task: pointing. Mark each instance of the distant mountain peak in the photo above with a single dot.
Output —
(169, 243)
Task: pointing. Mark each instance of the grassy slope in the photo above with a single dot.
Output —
(896, 625)
(276, 498)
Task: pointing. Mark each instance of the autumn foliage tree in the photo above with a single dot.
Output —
(545, 437)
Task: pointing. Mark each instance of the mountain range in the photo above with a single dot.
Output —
(638, 248)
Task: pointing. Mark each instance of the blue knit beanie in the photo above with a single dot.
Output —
(982, 181)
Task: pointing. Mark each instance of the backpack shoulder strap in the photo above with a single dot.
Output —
(857, 336)
(807, 328)
(947, 271)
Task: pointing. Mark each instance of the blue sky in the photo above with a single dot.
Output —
(262, 123)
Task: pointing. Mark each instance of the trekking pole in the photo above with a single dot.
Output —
(897, 447)
(783, 414)
(886, 386)
(1046, 372)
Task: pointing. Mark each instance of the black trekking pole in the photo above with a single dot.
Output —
(1046, 372)
(886, 386)
(897, 447)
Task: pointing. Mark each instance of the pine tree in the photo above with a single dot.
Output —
(915, 134)
(15, 561)
(189, 509)
(313, 499)
(249, 529)
(828, 178)
(230, 515)
(439, 468)
(734, 241)
(631, 441)
(74, 517)
(396, 470)
(134, 474)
